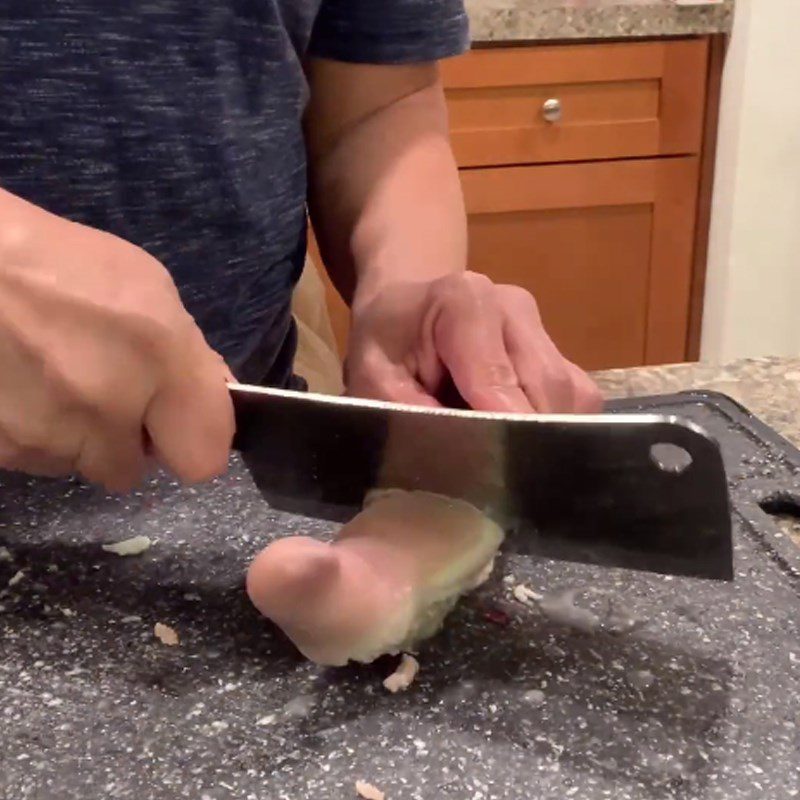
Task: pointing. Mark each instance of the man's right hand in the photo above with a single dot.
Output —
(101, 366)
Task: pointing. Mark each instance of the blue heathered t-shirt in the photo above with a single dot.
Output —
(176, 124)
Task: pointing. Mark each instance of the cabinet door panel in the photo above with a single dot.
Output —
(605, 248)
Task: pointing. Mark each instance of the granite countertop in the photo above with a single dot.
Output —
(768, 387)
(698, 700)
(536, 20)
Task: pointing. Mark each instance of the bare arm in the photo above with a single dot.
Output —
(388, 213)
(385, 198)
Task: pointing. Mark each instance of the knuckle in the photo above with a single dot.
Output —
(478, 287)
(492, 376)
(150, 334)
(520, 301)
(90, 401)
(478, 280)
(462, 283)
(148, 314)
(501, 374)
(518, 295)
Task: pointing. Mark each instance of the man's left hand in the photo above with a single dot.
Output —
(408, 339)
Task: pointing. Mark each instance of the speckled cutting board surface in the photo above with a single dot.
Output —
(697, 698)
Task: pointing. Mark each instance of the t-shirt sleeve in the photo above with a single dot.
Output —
(389, 31)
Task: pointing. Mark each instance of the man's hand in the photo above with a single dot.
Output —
(101, 364)
(389, 217)
(409, 337)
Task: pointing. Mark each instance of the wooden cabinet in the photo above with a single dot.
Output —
(597, 217)
(610, 101)
(605, 247)
(587, 171)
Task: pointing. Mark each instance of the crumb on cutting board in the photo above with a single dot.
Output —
(403, 676)
(166, 635)
(525, 595)
(369, 792)
(134, 546)
(16, 578)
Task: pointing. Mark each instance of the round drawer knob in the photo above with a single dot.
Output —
(551, 110)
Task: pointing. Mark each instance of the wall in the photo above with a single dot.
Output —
(752, 304)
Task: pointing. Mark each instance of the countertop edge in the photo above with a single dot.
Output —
(509, 22)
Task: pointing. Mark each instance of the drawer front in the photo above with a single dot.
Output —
(551, 104)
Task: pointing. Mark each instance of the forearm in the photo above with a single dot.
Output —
(386, 201)
(13, 210)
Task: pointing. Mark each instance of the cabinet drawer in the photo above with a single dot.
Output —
(612, 101)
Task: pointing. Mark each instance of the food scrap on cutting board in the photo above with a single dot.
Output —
(166, 635)
(385, 584)
(367, 791)
(403, 676)
(134, 546)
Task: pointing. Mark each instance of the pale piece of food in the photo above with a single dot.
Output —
(385, 584)
(16, 578)
(403, 676)
(369, 792)
(525, 595)
(166, 635)
(559, 607)
(5, 554)
(134, 546)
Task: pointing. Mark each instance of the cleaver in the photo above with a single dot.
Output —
(639, 491)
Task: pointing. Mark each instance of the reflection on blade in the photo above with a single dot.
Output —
(581, 489)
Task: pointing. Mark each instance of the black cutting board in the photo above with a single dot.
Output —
(763, 468)
(701, 702)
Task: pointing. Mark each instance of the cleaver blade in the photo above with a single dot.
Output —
(639, 491)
